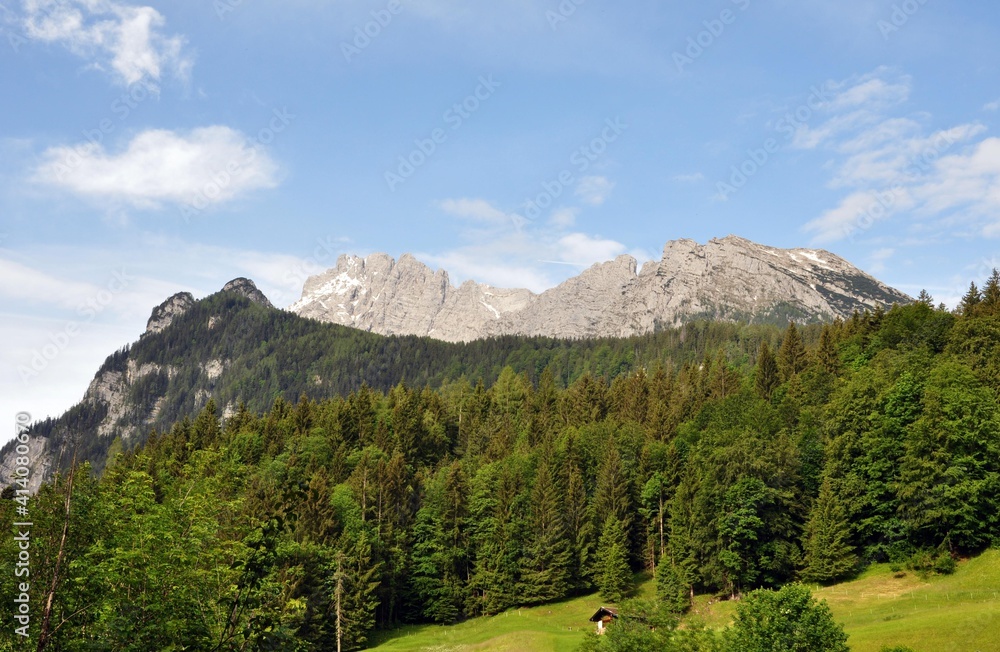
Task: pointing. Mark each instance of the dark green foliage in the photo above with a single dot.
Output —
(613, 575)
(949, 485)
(829, 555)
(792, 358)
(671, 589)
(766, 374)
(546, 567)
(789, 620)
(425, 496)
(740, 531)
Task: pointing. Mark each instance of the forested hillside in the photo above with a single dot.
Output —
(234, 350)
(730, 470)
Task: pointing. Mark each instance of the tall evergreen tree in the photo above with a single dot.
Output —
(671, 589)
(829, 555)
(826, 354)
(766, 375)
(612, 496)
(614, 577)
(352, 586)
(950, 474)
(792, 354)
(970, 302)
(545, 573)
(991, 293)
(579, 519)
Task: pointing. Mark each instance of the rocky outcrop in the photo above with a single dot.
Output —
(246, 288)
(405, 297)
(40, 460)
(165, 313)
(728, 278)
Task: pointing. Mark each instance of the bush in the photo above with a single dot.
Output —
(925, 562)
(788, 620)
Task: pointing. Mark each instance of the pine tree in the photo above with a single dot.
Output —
(611, 497)
(826, 354)
(925, 298)
(792, 354)
(970, 302)
(828, 553)
(614, 577)
(205, 431)
(546, 565)
(579, 519)
(671, 589)
(766, 378)
(353, 587)
(991, 293)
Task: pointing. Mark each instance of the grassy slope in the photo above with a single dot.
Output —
(558, 627)
(960, 612)
(957, 612)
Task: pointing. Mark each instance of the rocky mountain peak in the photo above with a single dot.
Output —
(165, 313)
(246, 288)
(726, 278)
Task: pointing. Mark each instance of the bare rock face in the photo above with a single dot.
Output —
(165, 313)
(245, 287)
(730, 278)
(40, 464)
(404, 297)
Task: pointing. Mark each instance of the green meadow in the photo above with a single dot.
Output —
(959, 612)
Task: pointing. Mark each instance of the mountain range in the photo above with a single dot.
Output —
(375, 321)
(726, 279)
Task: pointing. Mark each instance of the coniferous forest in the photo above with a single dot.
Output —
(313, 523)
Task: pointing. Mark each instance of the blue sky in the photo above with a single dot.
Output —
(146, 150)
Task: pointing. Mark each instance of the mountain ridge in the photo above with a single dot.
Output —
(729, 278)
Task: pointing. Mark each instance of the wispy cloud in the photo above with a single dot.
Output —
(887, 161)
(478, 210)
(689, 178)
(123, 40)
(214, 164)
(517, 253)
(594, 190)
(992, 106)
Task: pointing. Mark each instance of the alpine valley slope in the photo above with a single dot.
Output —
(726, 279)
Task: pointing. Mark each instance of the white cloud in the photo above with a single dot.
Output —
(856, 103)
(584, 249)
(564, 217)
(479, 210)
(123, 40)
(21, 282)
(856, 212)
(992, 106)
(889, 164)
(512, 252)
(594, 190)
(689, 178)
(202, 167)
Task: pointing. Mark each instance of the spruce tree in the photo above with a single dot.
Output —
(971, 300)
(579, 520)
(829, 555)
(766, 378)
(546, 565)
(826, 354)
(991, 293)
(671, 589)
(792, 354)
(612, 497)
(614, 577)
